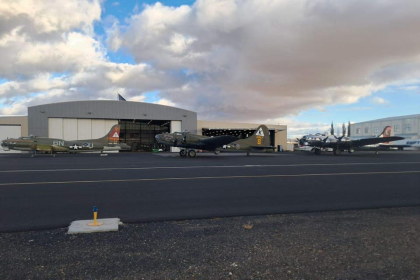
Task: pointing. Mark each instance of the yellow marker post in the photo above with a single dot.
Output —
(95, 216)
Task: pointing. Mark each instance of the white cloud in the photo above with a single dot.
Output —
(228, 60)
(378, 101)
(258, 59)
(166, 102)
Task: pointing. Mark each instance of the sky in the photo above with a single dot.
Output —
(303, 63)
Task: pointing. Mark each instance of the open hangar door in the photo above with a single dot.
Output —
(9, 131)
(240, 133)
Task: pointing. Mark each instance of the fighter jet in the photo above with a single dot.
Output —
(321, 142)
(189, 143)
(109, 142)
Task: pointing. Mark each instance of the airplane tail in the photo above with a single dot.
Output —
(260, 138)
(386, 132)
(113, 136)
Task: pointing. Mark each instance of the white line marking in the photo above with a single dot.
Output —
(201, 178)
(203, 166)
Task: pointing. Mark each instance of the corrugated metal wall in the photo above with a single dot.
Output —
(78, 129)
(9, 131)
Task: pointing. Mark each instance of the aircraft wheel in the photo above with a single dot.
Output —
(247, 154)
(337, 152)
(183, 153)
(351, 151)
(216, 152)
(192, 153)
(317, 152)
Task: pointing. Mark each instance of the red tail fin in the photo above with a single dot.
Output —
(386, 132)
(114, 134)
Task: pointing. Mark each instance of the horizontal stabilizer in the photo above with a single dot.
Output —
(263, 147)
(219, 141)
(372, 141)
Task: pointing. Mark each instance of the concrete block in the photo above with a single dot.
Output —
(82, 227)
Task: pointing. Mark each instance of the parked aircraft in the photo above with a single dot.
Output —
(189, 143)
(109, 142)
(321, 142)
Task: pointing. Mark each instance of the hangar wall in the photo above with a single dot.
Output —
(21, 121)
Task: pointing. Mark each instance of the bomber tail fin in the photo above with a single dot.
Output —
(260, 138)
(386, 132)
(113, 136)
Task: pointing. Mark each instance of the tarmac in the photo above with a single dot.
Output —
(266, 216)
(48, 193)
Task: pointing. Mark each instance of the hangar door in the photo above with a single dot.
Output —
(79, 129)
(9, 131)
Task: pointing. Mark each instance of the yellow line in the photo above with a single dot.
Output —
(202, 178)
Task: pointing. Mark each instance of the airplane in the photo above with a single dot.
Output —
(109, 142)
(322, 142)
(189, 143)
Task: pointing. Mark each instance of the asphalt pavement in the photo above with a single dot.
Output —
(49, 192)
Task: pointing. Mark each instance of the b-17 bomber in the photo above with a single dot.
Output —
(109, 142)
(189, 143)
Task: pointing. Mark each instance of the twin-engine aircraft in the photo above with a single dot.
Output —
(321, 142)
(189, 143)
(109, 142)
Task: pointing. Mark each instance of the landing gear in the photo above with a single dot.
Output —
(248, 154)
(376, 152)
(337, 152)
(192, 153)
(317, 152)
(183, 153)
(351, 151)
(216, 152)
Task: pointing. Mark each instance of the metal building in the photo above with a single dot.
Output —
(139, 121)
(404, 126)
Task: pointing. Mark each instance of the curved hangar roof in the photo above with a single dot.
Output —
(106, 109)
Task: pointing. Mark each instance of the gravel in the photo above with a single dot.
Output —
(365, 244)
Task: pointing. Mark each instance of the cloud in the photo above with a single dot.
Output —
(165, 102)
(296, 129)
(378, 101)
(230, 60)
(256, 59)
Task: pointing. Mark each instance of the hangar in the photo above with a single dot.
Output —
(405, 126)
(139, 123)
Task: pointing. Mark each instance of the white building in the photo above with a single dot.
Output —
(404, 126)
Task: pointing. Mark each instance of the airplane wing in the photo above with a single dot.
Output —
(372, 141)
(218, 141)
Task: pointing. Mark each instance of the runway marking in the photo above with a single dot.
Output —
(204, 178)
(204, 166)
